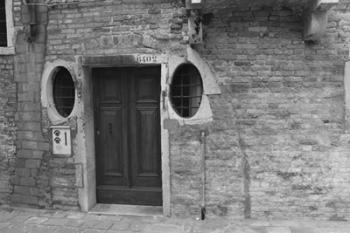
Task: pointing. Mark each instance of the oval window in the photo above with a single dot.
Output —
(186, 90)
(63, 91)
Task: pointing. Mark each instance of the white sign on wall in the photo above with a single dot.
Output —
(147, 59)
(61, 140)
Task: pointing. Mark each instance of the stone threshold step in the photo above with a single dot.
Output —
(132, 210)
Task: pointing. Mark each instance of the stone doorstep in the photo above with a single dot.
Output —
(132, 210)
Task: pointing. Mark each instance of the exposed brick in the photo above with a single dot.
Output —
(24, 172)
(43, 146)
(25, 199)
(32, 163)
(24, 190)
(27, 181)
(7, 126)
(276, 146)
(29, 145)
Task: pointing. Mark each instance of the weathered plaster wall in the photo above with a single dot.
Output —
(278, 144)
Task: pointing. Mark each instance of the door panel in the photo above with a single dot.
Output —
(146, 88)
(145, 114)
(109, 155)
(127, 119)
(110, 87)
(146, 160)
(111, 130)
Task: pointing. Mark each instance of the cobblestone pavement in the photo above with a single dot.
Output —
(43, 221)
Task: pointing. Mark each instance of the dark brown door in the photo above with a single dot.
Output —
(127, 124)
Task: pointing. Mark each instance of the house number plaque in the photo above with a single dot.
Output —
(147, 59)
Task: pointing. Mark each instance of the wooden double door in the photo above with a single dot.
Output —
(127, 139)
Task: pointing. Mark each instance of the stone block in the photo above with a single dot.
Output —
(154, 10)
(62, 182)
(24, 199)
(22, 172)
(29, 145)
(32, 163)
(24, 190)
(27, 181)
(44, 146)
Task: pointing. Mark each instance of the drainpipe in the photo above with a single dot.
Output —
(347, 95)
(203, 138)
(31, 20)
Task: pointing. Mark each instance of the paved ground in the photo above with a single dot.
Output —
(41, 221)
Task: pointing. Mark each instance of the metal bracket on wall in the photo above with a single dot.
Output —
(195, 26)
(203, 134)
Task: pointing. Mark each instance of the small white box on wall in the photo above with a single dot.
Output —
(61, 140)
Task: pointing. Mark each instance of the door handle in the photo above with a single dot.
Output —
(98, 132)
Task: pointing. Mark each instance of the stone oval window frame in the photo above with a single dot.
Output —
(204, 113)
(178, 74)
(47, 98)
(210, 87)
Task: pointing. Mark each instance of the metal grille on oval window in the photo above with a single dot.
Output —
(63, 92)
(186, 90)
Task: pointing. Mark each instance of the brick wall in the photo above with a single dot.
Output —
(278, 144)
(39, 178)
(7, 126)
(110, 28)
(64, 31)
(28, 181)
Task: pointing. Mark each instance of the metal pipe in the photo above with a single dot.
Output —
(204, 152)
(32, 11)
